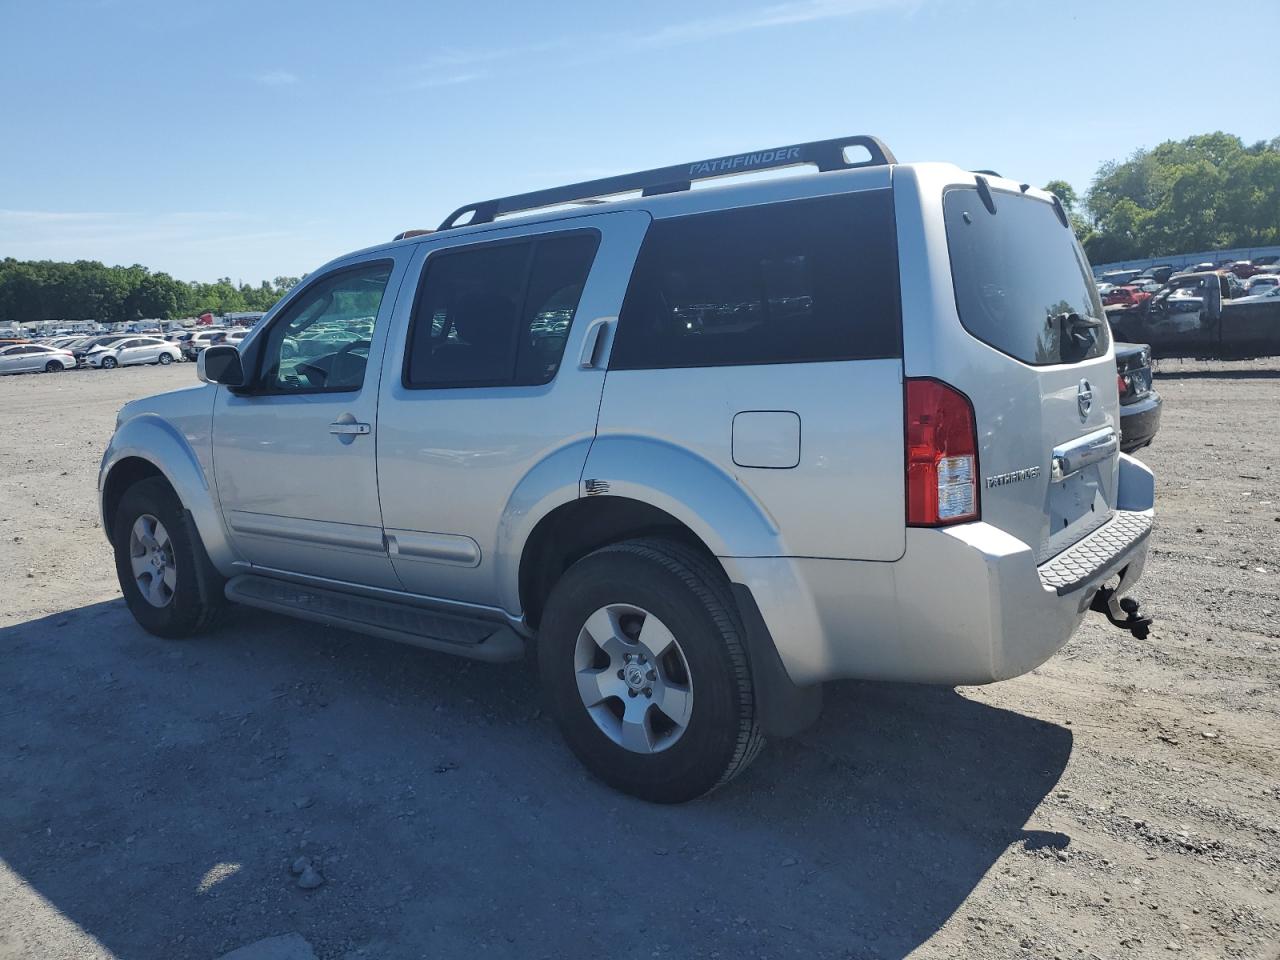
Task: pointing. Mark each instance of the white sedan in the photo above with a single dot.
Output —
(29, 357)
(133, 350)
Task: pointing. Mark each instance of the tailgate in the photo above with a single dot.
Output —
(1037, 364)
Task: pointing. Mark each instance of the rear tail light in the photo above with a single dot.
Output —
(942, 455)
(1122, 384)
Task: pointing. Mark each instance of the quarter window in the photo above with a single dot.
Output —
(498, 314)
(806, 280)
(321, 344)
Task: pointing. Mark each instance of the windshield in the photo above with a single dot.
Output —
(1022, 284)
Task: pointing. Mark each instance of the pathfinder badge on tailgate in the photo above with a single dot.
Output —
(1001, 479)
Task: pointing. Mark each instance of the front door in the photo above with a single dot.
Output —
(135, 351)
(294, 453)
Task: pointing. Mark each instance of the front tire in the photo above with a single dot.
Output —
(644, 665)
(109, 363)
(160, 563)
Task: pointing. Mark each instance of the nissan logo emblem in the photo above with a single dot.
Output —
(1084, 398)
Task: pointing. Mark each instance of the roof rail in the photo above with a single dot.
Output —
(823, 154)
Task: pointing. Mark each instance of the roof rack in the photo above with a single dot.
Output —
(823, 154)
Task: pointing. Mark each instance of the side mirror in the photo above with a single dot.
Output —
(220, 364)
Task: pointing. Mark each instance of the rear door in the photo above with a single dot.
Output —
(490, 384)
(1013, 320)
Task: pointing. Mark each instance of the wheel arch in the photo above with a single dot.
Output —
(574, 529)
(629, 486)
(147, 446)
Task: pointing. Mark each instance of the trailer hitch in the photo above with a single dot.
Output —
(1122, 612)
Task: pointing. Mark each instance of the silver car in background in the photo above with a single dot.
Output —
(33, 357)
(132, 351)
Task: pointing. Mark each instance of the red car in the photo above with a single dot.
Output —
(1125, 297)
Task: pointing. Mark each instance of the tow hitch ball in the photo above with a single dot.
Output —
(1121, 611)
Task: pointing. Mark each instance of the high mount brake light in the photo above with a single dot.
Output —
(942, 455)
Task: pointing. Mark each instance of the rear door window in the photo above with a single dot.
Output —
(498, 314)
(805, 280)
(1022, 284)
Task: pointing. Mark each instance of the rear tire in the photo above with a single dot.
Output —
(164, 360)
(190, 596)
(53, 366)
(689, 598)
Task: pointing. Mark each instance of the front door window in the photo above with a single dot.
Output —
(322, 344)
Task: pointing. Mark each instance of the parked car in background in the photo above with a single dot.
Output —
(1139, 403)
(1119, 277)
(82, 348)
(1126, 296)
(135, 350)
(1259, 282)
(1264, 294)
(232, 337)
(1243, 269)
(192, 346)
(31, 357)
(1157, 274)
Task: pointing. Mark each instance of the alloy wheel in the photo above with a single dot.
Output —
(633, 678)
(151, 556)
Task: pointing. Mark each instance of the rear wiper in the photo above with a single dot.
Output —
(1070, 319)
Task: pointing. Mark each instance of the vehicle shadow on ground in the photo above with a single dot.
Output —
(155, 794)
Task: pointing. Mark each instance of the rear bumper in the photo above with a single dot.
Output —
(964, 605)
(1139, 422)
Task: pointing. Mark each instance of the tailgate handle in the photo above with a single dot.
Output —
(1075, 456)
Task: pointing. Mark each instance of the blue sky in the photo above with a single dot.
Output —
(253, 138)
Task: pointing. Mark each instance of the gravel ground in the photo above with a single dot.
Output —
(155, 798)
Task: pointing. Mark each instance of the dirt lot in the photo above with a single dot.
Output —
(1122, 801)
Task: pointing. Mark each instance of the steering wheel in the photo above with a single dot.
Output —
(348, 347)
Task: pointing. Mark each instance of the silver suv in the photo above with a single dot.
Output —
(703, 448)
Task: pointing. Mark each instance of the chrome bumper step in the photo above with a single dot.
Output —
(442, 632)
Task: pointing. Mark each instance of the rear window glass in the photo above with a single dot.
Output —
(498, 314)
(1021, 281)
(805, 280)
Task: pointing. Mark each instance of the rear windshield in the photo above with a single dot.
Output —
(1022, 284)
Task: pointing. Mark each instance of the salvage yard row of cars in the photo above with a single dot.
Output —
(108, 352)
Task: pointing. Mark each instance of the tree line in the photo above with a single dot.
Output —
(1207, 192)
(32, 290)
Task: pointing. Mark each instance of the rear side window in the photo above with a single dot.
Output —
(1022, 284)
(805, 280)
(498, 314)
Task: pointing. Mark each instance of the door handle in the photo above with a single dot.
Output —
(590, 356)
(349, 429)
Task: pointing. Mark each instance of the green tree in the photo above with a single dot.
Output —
(1064, 192)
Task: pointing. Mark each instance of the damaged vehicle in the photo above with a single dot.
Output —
(694, 452)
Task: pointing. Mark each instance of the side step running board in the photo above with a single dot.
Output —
(445, 633)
